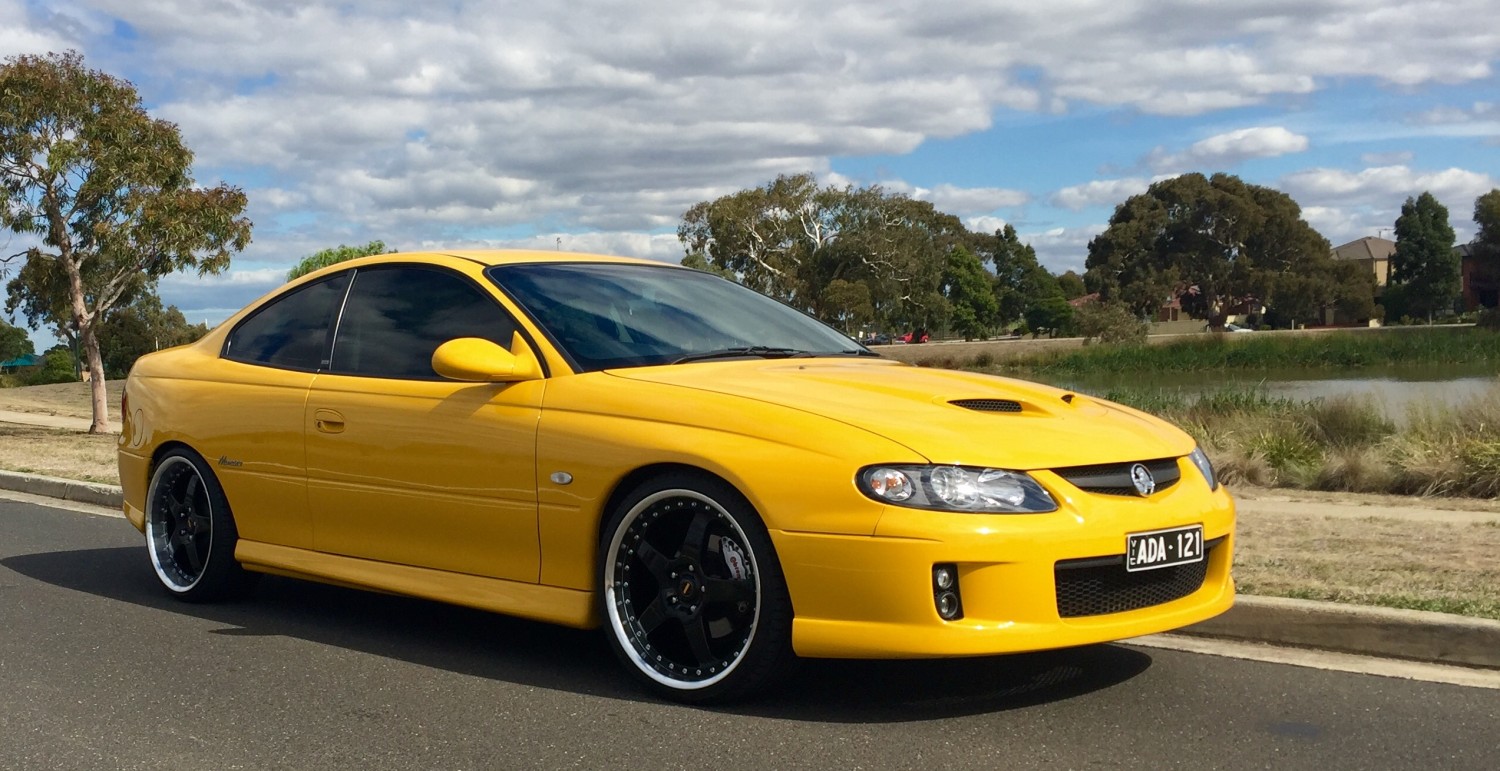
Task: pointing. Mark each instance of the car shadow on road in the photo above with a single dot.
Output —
(501, 648)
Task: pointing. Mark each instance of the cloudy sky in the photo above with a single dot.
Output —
(590, 125)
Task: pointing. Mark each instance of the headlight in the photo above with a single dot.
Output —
(956, 488)
(1200, 459)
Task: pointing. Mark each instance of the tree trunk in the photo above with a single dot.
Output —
(96, 380)
(85, 331)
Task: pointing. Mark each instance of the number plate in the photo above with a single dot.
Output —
(1163, 548)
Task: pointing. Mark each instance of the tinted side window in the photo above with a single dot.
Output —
(292, 331)
(396, 317)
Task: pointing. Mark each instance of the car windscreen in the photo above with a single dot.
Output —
(610, 315)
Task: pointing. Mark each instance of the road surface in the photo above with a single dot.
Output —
(99, 670)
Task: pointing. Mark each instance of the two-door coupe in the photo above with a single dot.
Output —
(720, 481)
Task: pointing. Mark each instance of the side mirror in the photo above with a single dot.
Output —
(476, 360)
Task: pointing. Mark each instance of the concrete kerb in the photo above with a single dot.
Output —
(66, 489)
(1438, 638)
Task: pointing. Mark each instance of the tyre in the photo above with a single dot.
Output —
(695, 604)
(190, 531)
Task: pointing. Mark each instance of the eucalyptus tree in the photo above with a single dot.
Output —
(333, 256)
(102, 197)
(1215, 243)
(809, 246)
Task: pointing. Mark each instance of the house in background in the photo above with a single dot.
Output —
(1478, 289)
(1481, 289)
(1372, 251)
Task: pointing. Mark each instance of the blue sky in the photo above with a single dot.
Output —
(595, 125)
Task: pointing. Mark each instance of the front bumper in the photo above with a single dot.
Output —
(871, 597)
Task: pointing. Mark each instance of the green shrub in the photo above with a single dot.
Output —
(1489, 319)
(56, 367)
(1110, 323)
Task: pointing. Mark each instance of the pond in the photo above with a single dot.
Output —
(1396, 389)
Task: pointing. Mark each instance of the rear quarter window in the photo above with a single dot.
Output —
(291, 331)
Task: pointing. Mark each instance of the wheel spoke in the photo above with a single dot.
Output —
(654, 562)
(717, 590)
(175, 507)
(201, 522)
(190, 494)
(189, 547)
(696, 630)
(696, 538)
(652, 616)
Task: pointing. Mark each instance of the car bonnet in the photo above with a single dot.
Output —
(945, 415)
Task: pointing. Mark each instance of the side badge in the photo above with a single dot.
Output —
(561, 478)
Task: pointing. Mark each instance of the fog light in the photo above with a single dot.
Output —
(945, 592)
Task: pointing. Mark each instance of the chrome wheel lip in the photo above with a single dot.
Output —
(158, 535)
(619, 626)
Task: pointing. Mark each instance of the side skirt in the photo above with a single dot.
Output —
(554, 605)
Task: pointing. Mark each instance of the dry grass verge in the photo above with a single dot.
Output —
(55, 453)
(1449, 567)
(69, 400)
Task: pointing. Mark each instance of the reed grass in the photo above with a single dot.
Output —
(1339, 444)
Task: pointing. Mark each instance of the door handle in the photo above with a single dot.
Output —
(328, 421)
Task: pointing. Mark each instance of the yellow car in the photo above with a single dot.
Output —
(721, 482)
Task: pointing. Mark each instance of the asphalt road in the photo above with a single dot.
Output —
(99, 670)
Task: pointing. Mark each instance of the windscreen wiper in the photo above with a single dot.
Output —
(763, 351)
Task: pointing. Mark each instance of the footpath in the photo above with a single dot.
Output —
(45, 421)
(1436, 638)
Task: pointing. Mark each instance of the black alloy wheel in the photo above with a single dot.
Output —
(190, 532)
(693, 595)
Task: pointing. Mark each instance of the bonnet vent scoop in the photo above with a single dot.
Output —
(988, 405)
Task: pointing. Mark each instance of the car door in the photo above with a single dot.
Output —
(256, 409)
(404, 466)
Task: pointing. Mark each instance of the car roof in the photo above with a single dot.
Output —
(521, 256)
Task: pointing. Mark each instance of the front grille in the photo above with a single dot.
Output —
(1114, 478)
(1100, 585)
(988, 405)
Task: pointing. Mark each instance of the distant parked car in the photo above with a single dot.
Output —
(1229, 328)
(879, 338)
(915, 336)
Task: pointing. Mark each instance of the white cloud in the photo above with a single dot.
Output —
(1223, 151)
(1478, 111)
(1063, 249)
(1456, 188)
(516, 121)
(1341, 226)
(1351, 205)
(984, 224)
(1393, 158)
(1100, 192)
(972, 200)
(51, 32)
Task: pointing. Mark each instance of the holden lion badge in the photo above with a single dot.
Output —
(1140, 476)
